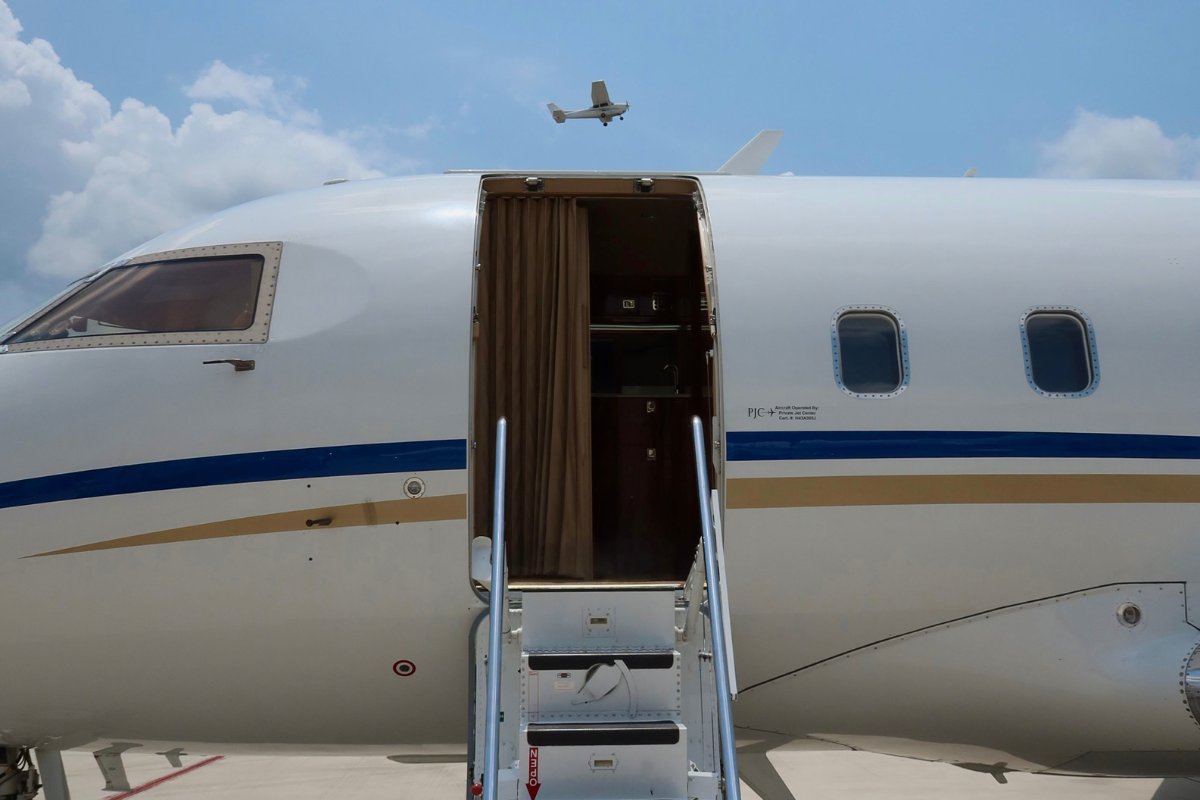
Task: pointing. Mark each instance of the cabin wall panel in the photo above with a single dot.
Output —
(960, 262)
(827, 580)
(369, 343)
(1028, 688)
(280, 636)
(245, 640)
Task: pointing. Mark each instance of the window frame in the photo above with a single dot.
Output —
(257, 333)
(905, 371)
(1093, 358)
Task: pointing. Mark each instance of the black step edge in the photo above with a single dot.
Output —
(602, 734)
(564, 661)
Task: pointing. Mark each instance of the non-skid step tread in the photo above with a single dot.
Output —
(602, 734)
(568, 661)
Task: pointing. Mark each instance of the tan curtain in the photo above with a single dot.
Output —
(532, 367)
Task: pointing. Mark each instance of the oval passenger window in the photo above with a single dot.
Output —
(869, 353)
(1060, 359)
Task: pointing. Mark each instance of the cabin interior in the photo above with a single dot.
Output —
(592, 338)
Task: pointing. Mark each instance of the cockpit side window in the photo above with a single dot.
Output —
(208, 298)
(1060, 352)
(870, 351)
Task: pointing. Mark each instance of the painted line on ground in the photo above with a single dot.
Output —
(148, 785)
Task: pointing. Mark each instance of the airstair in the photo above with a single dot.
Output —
(617, 694)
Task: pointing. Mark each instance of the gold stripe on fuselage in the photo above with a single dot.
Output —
(743, 493)
(388, 512)
(905, 490)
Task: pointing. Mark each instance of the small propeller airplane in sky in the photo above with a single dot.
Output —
(602, 108)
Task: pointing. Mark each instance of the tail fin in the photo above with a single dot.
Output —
(556, 112)
(750, 159)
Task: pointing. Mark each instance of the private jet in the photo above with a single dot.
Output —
(606, 484)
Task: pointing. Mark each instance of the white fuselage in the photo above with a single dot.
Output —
(934, 574)
(610, 111)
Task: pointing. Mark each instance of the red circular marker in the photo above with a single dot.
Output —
(476, 789)
(404, 668)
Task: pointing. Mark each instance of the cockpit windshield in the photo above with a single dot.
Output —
(200, 294)
(13, 324)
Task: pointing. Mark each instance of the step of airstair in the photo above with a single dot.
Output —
(611, 760)
(601, 695)
(599, 698)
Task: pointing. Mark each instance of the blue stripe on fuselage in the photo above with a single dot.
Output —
(443, 454)
(277, 465)
(824, 445)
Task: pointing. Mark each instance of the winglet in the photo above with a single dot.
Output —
(750, 159)
(556, 112)
(971, 173)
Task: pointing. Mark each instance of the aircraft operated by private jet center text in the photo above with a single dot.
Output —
(903, 465)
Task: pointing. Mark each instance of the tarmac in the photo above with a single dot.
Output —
(819, 775)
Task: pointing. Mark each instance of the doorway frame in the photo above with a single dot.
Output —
(587, 185)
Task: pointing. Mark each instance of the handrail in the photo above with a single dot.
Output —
(716, 605)
(492, 737)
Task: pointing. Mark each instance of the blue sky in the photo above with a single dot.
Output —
(1098, 89)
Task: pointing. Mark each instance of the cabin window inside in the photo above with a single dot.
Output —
(869, 353)
(191, 295)
(1059, 359)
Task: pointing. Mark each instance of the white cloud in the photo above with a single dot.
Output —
(420, 130)
(220, 82)
(84, 183)
(41, 104)
(17, 299)
(14, 94)
(146, 178)
(1098, 146)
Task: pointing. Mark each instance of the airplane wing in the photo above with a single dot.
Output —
(556, 112)
(600, 94)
